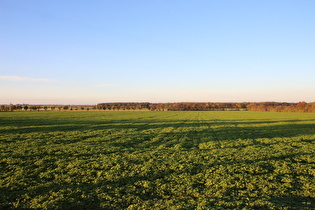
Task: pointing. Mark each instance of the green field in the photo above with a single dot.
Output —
(157, 160)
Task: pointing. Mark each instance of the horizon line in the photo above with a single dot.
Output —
(89, 104)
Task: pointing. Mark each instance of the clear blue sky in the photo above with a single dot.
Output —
(85, 52)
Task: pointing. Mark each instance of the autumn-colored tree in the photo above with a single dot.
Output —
(2, 108)
(12, 108)
(301, 106)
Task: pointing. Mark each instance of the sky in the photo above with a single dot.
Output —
(88, 52)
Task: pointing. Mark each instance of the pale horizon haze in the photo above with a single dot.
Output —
(88, 52)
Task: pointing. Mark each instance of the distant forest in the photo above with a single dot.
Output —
(182, 106)
(210, 106)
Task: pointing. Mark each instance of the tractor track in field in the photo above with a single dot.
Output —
(152, 133)
(170, 133)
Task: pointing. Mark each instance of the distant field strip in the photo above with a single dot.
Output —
(157, 160)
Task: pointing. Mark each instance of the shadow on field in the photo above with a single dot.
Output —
(168, 130)
(192, 134)
(159, 133)
(294, 201)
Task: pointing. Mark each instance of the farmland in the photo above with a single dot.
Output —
(157, 160)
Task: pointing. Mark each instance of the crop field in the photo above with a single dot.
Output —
(157, 160)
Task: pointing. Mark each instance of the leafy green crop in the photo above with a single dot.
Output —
(157, 160)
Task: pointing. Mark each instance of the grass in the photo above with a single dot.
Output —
(157, 160)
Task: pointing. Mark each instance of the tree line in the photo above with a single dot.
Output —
(180, 106)
(282, 107)
(124, 106)
(18, 107)
(192, 106)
